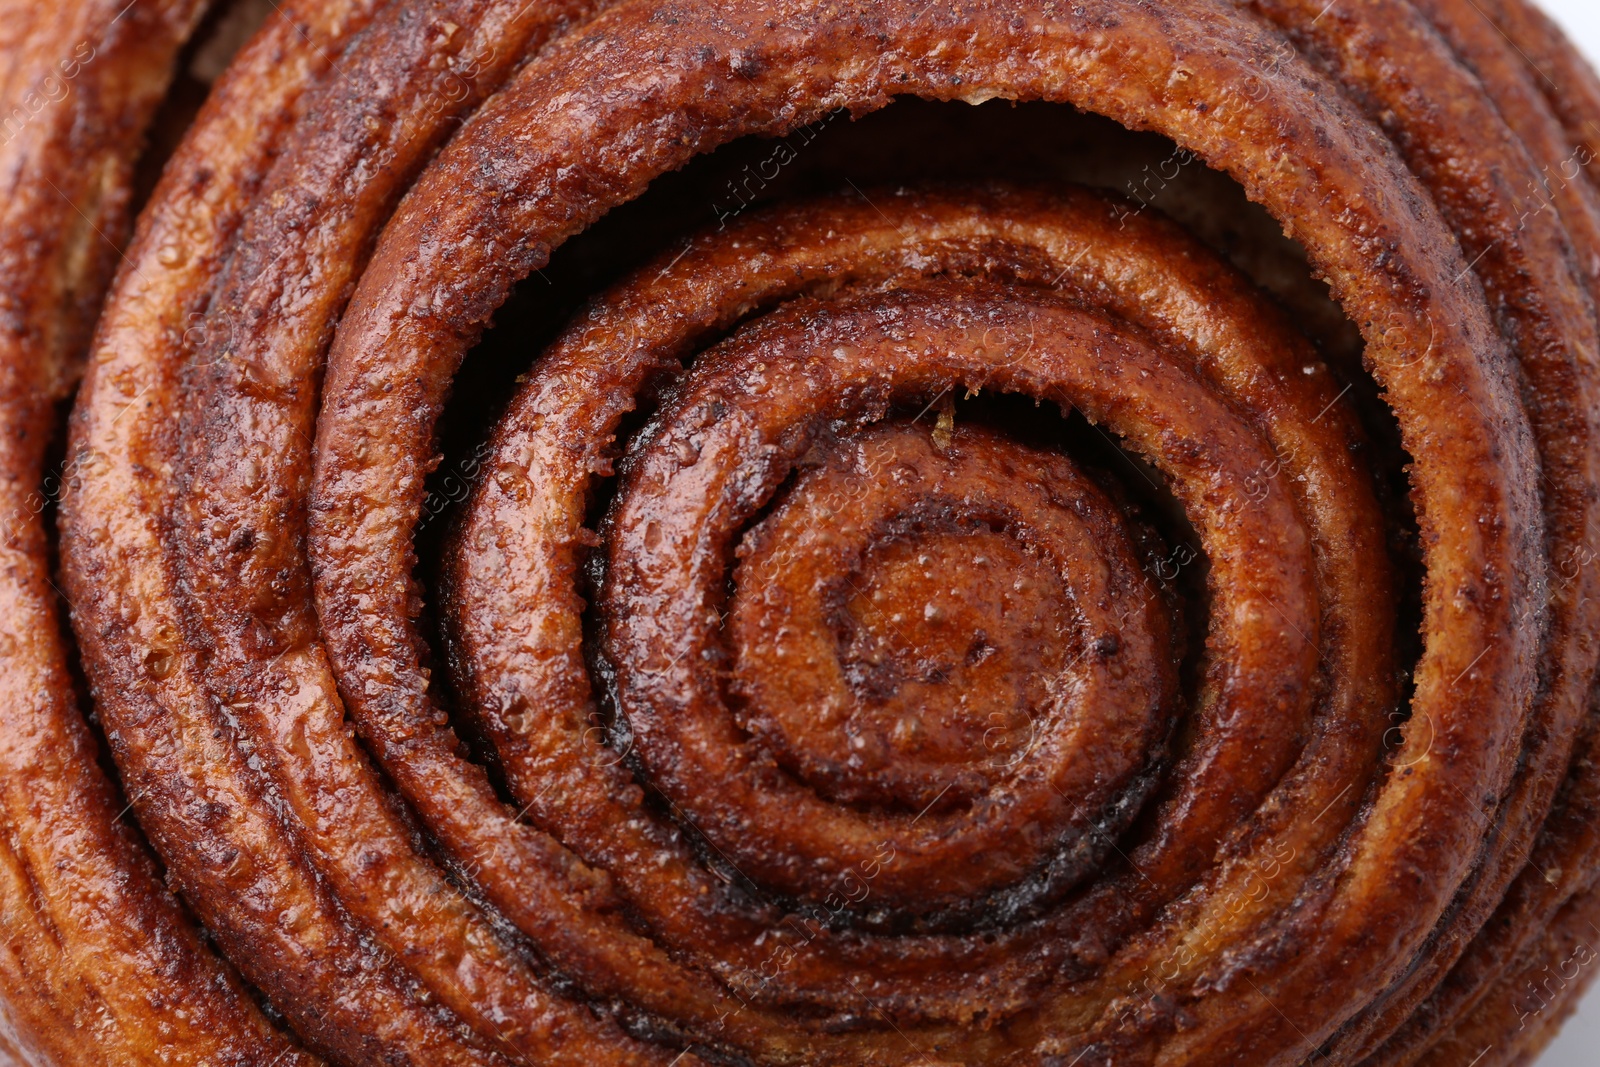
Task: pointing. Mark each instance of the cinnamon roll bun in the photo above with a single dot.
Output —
(799, 533)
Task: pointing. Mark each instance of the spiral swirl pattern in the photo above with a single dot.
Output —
(964, 617)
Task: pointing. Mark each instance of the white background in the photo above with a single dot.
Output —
(1582, 20)
(1579, 1043)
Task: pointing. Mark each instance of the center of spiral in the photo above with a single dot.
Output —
(948, 634)
(827, 708)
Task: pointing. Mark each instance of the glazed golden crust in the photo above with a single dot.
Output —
(247, 872)
(516, 659)
(1346, 200)
(785, 696)
(100, 965)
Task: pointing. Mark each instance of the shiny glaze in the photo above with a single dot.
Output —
(737, 810)
(100, 964)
